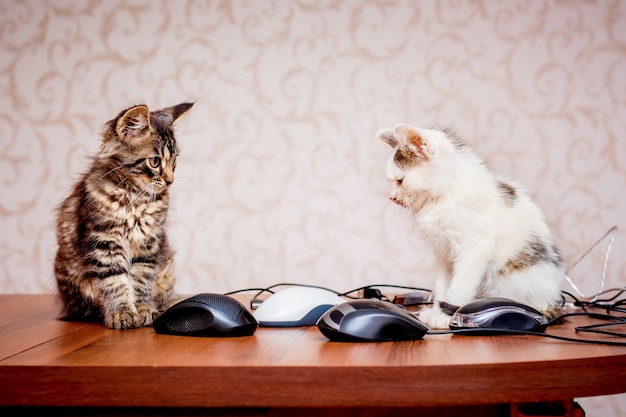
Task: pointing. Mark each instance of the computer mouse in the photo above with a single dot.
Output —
(493, 314)
(296, 306)
(370, 321)
(208, 315)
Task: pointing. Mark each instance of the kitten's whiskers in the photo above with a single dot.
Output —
(122, 181)
(145, 191)
(111, 171)
(152, 191)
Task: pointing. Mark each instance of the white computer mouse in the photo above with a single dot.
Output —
(296, 306)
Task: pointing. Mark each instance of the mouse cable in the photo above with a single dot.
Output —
(613, 320)
(479, 331)
(610, 232)
(292, 284)
(255, 302)
(592, 328)
(247, 290)
(619, 292)
(595, 299)
(604, 304)
(381, 296)
(404, 287)
(599, 316)
(270, 289)
(595, 328)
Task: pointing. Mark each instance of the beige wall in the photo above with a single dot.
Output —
(280, 177)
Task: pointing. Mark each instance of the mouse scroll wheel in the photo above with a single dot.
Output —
(336, 316)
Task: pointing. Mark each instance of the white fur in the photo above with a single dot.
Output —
(459, 207)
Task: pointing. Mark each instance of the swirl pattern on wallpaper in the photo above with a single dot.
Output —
(280, 177)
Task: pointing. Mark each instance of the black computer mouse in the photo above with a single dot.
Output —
(498, 314)
(370, 321)
(208, 315)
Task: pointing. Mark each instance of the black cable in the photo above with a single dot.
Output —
(616, 321)
(562, 317)
(247, 289)
(601, 304)
(619, 291)
(346, 294)
(480, 331)
(254, 302)
(404, 287)
(291, 284)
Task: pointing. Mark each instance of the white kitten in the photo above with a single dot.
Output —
(491, 236)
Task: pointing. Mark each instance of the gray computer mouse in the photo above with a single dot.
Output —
(208, 315)
(498, 314)
(370, 321)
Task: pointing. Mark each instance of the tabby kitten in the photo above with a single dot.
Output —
(114, 263)
(487, 231)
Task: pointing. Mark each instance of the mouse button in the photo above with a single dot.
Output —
(346, 307)
(403, 328)
(333, 316)
(228, 306)
(336, 316)
(514, 321)
(369, 324)
(484, 304)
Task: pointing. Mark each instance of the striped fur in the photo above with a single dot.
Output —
(114, 263)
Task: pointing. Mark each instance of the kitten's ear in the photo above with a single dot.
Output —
(171, 114)
(387, 137)
(412, 137)
(133, 125)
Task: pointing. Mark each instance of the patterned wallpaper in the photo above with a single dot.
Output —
(281, 177)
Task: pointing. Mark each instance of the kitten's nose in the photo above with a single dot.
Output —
(395, 199)
(168, 176)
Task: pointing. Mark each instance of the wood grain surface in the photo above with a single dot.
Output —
(48, 362)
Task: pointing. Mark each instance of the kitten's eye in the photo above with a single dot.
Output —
(399, 181)
(154, 162)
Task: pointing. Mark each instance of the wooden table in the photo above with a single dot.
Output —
(46, 362)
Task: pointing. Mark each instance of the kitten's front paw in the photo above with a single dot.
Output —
(435, 319)
(121, 320)
(124, 319)
(146, 315)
